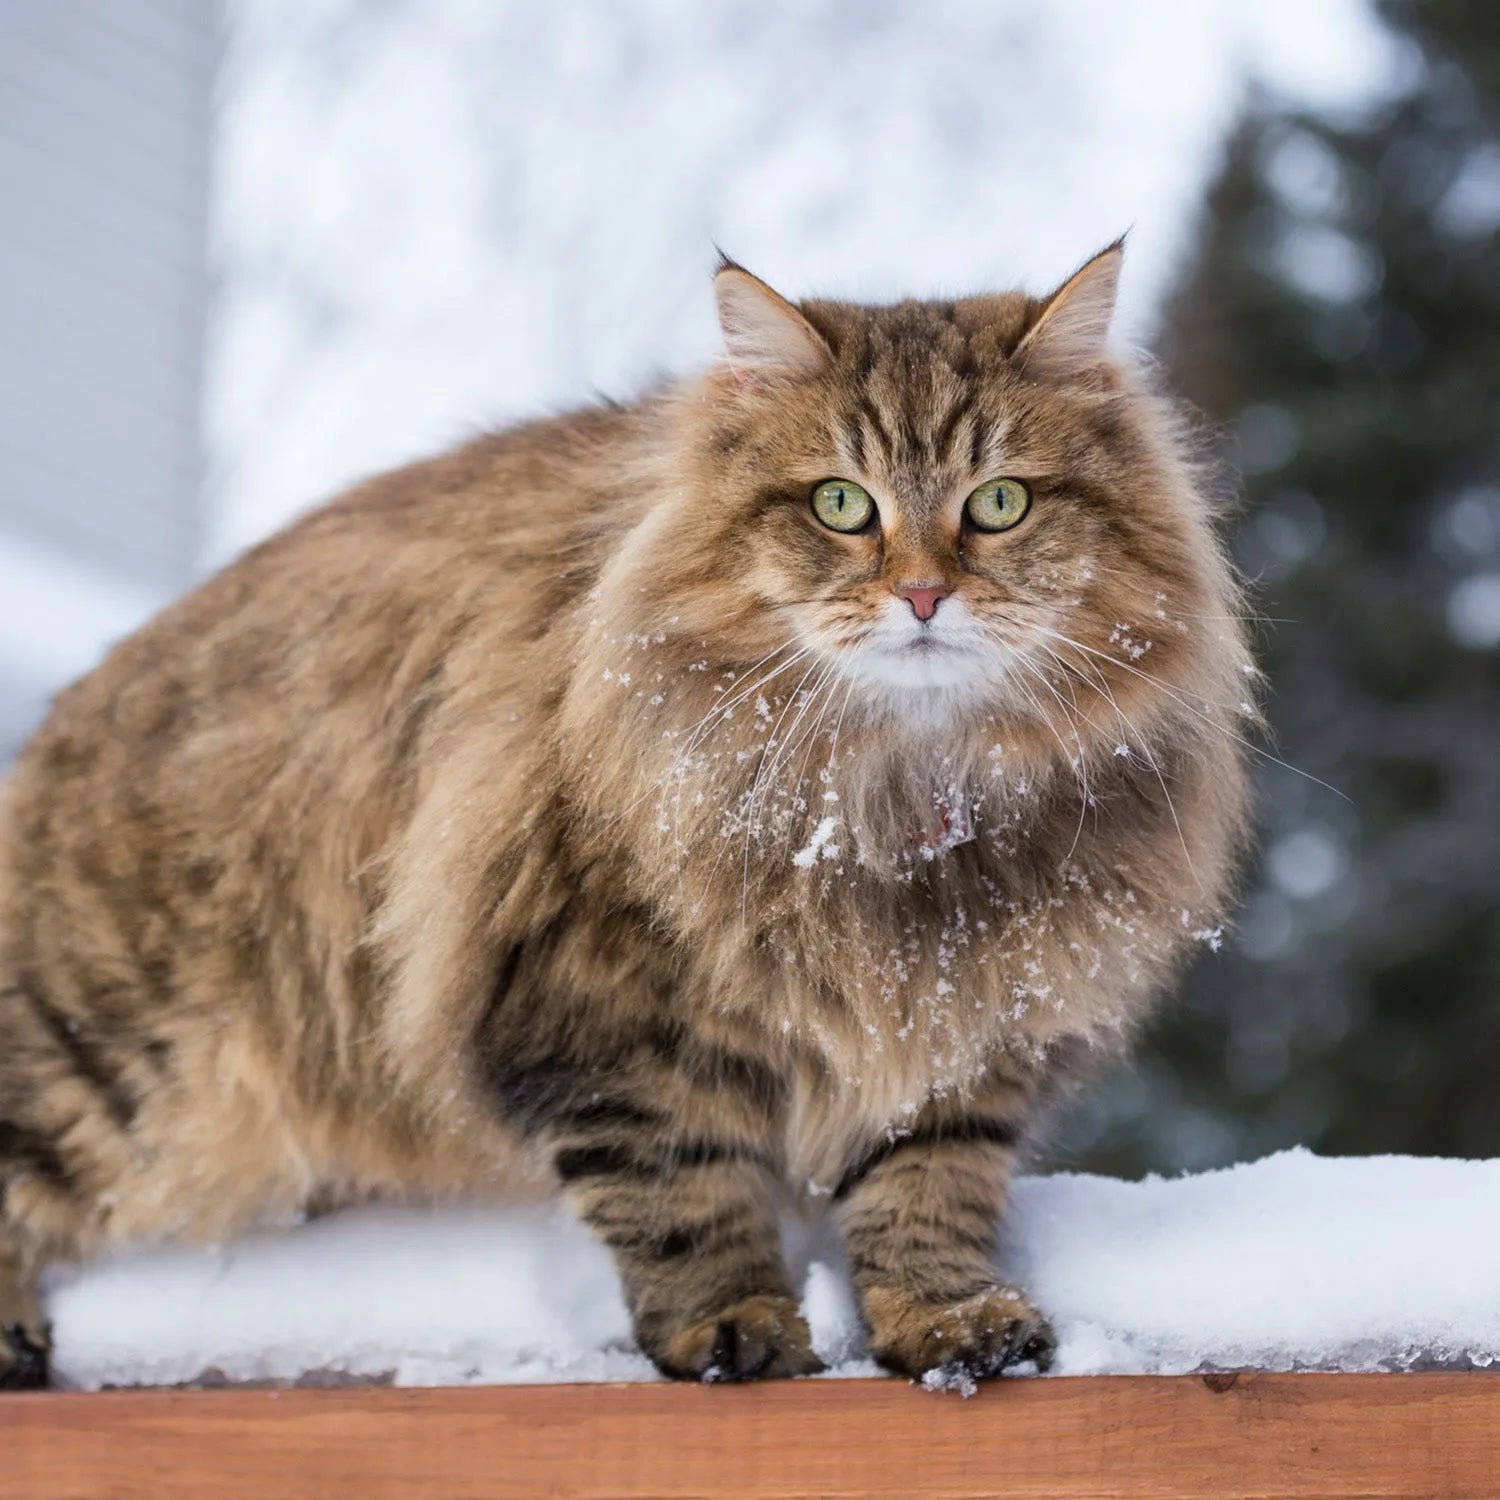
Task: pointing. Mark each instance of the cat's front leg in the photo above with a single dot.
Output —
(920, 1209)
(679, 1184)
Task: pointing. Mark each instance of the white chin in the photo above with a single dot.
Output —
(916, 667)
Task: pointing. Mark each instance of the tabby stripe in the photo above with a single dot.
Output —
(936, 1250)
(423, 700)
(724, 1067)
(863, 362)
(856, 439)
(615, 1160)
(943, 439)
(709, 1234)
(533, 1093)
(974, 1129)
(607, 1111)
(870, 412)
(88, 1061)
(723, 1234)
(505, 974)
(663, 1039)
(976, 444)
(31, 1152)
(909, 430)
(707, 1063)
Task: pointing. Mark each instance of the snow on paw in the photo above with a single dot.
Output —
(759, 1338)
(23, 1359)
(978, 1337)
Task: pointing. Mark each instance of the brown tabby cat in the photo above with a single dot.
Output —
(775, 783)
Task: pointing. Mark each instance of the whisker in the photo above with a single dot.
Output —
(789, 746)
(724, 706)
(839, 724)
(810, 739)
(1193, 709)
(1080, 763)
(1161, 779)
(747, 815)
(681, 760)
(765, 783)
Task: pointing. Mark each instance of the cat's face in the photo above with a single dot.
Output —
(949, 507)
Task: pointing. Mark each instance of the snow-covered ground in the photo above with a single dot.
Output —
(1292, 1262)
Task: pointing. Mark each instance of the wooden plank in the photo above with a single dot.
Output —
(1330, 1436)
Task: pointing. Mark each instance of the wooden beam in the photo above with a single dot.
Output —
(1329, 1436)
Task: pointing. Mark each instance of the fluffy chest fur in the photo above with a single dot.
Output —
(909, 902)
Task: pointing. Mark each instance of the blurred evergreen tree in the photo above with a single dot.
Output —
(1341, 321)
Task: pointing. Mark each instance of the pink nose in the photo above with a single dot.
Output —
(923, 598)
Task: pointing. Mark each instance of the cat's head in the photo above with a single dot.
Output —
(945, 509)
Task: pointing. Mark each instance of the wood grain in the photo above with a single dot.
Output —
(1330, 1436)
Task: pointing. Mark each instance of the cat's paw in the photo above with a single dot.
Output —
(23, 1358)
(759, 1338)
(978, 1337)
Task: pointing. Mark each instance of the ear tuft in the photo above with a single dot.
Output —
(1071, 336)
(764, 335)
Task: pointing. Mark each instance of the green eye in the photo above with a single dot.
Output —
(998, 504)
(842, 505)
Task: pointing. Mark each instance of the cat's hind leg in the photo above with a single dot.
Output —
(24, 1346)
(64, 1146)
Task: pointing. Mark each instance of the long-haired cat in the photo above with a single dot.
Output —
(772, 785)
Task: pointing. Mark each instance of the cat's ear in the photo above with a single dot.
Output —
(1071, 335)
(764, 335)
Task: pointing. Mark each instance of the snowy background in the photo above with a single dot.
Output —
(431, 215)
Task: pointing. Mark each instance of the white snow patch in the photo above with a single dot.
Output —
(951, 1378)
(805, 859)
(1295, 1261)
(1356, 1263)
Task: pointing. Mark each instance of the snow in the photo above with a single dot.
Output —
(1293, 1262)
(817, 845)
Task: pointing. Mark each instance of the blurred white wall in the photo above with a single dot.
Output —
(105, 136)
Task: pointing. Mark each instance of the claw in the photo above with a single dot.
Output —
(1039, 1350)
(759, 1337)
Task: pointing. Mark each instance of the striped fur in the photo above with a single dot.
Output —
(524, 822)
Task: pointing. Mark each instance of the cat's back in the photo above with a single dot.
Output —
(257, 744)
(500, 535)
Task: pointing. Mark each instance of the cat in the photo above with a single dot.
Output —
(770, 790)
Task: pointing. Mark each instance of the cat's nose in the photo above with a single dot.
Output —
(923, 598)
